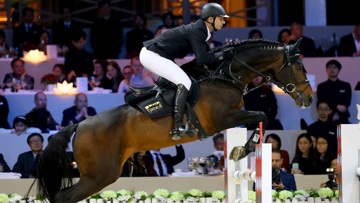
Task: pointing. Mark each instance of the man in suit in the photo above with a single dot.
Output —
(26, 36)
(27, 161)
(4, 167)
(158, 164)
(307, 45)
(287, 180)
(350, 43)
(79, 112)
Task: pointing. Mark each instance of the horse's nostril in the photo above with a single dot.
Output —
(310, 100)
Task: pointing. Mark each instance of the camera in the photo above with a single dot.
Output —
(275, 176)
(331, 182)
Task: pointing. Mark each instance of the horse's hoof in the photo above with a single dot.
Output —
(237, 153)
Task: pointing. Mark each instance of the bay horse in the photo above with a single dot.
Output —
(102, 143)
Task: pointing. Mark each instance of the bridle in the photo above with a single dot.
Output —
(287, 88)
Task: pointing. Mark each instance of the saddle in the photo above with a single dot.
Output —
(157, 101)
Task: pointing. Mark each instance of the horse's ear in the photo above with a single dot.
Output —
(297, 44)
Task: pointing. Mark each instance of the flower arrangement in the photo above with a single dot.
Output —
(49, 79)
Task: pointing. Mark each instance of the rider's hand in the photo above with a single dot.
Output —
(229, 53)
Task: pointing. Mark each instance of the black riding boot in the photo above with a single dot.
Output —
(180, 103)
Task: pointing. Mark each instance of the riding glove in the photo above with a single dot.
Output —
(229, 53)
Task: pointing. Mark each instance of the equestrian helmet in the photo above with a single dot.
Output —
(212, 9)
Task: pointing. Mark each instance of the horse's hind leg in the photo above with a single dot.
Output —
(79, 191)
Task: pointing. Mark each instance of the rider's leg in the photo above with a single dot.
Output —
(171, 71)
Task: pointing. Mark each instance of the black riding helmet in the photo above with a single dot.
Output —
(212, 10)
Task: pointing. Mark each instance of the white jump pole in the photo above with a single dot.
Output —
(237, 173)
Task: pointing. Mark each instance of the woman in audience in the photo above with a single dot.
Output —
(135, 165)
(284, 36)
(59, 71)
(44, 41)
(113, 73)
(323, 154)
(275, 141)
(99, 78)
(124, 84)
(305, 157)
(20, 126)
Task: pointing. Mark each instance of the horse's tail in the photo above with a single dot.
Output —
(53, 172)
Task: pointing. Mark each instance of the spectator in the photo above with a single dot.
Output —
(284, 36)
(27, 161)
(287, 180)
(336, 171)
(124, 84)
(255, 34)
(336, 93)
(218, 154)
(305, 156)
(158, 164)
(323, 155)
(4, 167)
(26, 36)
(4, 47)
(141, 77)
(262, 98)
(168, 22)
(275, 141)
(324, 126)
(4, 113)
(350, 44)
(79, 112)
(39, 116)
(106, 33)
(20, 126)
(136, 36)
(18, 76)
(61, 34)
(307, 45)
(99, 78)
(59, 71)
(78, 61)
(113, 73)
(135, 166)
(44, 41)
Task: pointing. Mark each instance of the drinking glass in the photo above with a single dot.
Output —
(210, 163)
(195, 162)
(202, 163)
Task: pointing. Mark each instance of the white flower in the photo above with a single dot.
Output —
(4, 198)
(326, 193)
(251, 195)
(123, 193)
(285, 194)
(219, 195)
(274, 194)
(176, 196)
(14, 197)
(140, 195)
(161, 192)
(108, 195)
(195, 193)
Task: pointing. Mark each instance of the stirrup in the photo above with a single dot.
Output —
(181, 131)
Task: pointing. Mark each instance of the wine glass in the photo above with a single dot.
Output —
(190, 165)
(210, 163)
(23, 84)
(195, 162)
(202, 163)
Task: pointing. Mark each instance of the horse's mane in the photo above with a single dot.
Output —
(199, 72)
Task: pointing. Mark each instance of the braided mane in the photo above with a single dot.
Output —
(261, 43)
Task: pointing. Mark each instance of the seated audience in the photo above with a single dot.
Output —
(4, 47)
(99, 78)
(124, 84)
(218, 154)
(275, 141)
(286, 180)
(19, 75)
(305, 157)
(113, 73)
(59, 71)
(262, 98)
(20, 126)
(44, 41)
(255, 34)
(350, 44)
(141, 76)
(336, 93)
(79, 112)
(135, 166)
(4, 113)
(4, 167)
(158, 164)
(336, 171)
(78, 61)
(284, 36)
(213, 43)
(324, 126)
(40, 117)
(27, 161)
(324, 156)
(168, 20)
(307, 45)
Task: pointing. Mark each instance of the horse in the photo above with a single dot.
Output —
(101, 144)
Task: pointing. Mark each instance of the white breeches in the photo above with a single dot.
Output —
(164, 67)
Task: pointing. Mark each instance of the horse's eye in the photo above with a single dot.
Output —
(298, 67)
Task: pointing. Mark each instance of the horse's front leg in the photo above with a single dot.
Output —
(240, 152)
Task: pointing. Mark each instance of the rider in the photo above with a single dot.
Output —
(158, 55)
